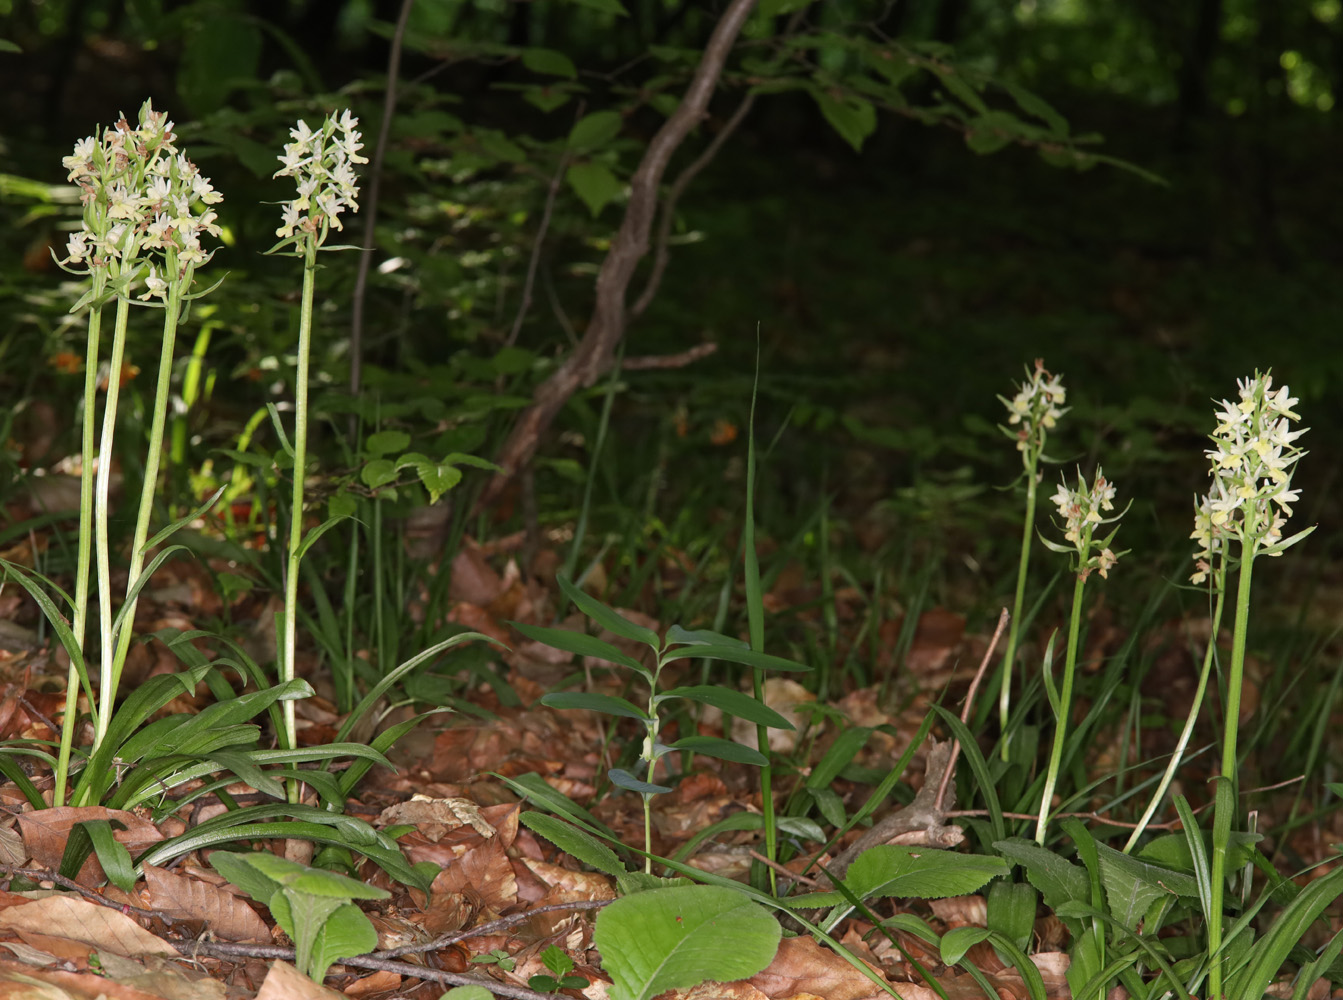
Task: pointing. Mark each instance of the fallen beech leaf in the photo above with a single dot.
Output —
(162, 977)
(378, 982)
(18, 982)
(227, 916)
(77, 920)
(436, 816)
(803, 966)
(45, 832)
(284, 982)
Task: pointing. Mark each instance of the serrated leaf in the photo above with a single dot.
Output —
(679, 937)
(1059, 880)
(437, 477)
(1132, 886)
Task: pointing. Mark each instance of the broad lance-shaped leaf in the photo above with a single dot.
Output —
(735, 654)
(713, 746)
(594, 702)
(608, 618)
(1059, 880)
(623, 779)
(580, 643)
(737, 703)
(574, 842)
(680, 937)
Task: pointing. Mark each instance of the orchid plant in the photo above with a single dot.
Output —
(1032, 413)
(1082, 510)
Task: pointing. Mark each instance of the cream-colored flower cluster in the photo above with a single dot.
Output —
(1252, 463)
(1037, 407)
(322, 164)
(140, 193)
(1081, 510)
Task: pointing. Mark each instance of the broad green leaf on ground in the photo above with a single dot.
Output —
(680, 937)
(1132, 886)
(895, 870)
(1059, 880)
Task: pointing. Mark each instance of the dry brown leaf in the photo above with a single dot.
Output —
(200, 903)
(18, 982)
(284, 982)
(803, 966)
(78, 920)
(936, 638)
(435, 817)
(474, 580)
(45, 832)
(162, 977)
(378, 982)
(485, 870)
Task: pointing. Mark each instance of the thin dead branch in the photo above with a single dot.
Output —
(595, 351)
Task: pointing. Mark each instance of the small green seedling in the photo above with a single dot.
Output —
(561, 965)
(497, 957)
(312, 905)
(680, 644)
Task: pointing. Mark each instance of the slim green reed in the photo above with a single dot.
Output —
(322, 165)
(146, 207)
(1253, 458)
(1081, 512)
(1033, 412)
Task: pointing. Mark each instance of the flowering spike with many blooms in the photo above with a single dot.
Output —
(1037, 407)
(1081, 510)
(1252, 460)
(322, 164)
(140, 193)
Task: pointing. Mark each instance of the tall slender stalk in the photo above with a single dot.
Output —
(1063, 711)
(1008, 668)
(290, 737)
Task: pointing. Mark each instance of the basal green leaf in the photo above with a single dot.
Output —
(680, 937)
(894, 870)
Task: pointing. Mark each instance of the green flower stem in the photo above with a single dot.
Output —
(1224, 805)
(651, 729)
(172, 310)
(101, 517)
(290, 736)
(80, 612)
(1188, 731)
(1065, 703)
(1010, 653)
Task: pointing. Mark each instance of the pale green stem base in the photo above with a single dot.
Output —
(1224, 805)
(1065, 703)
(1007, 670)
